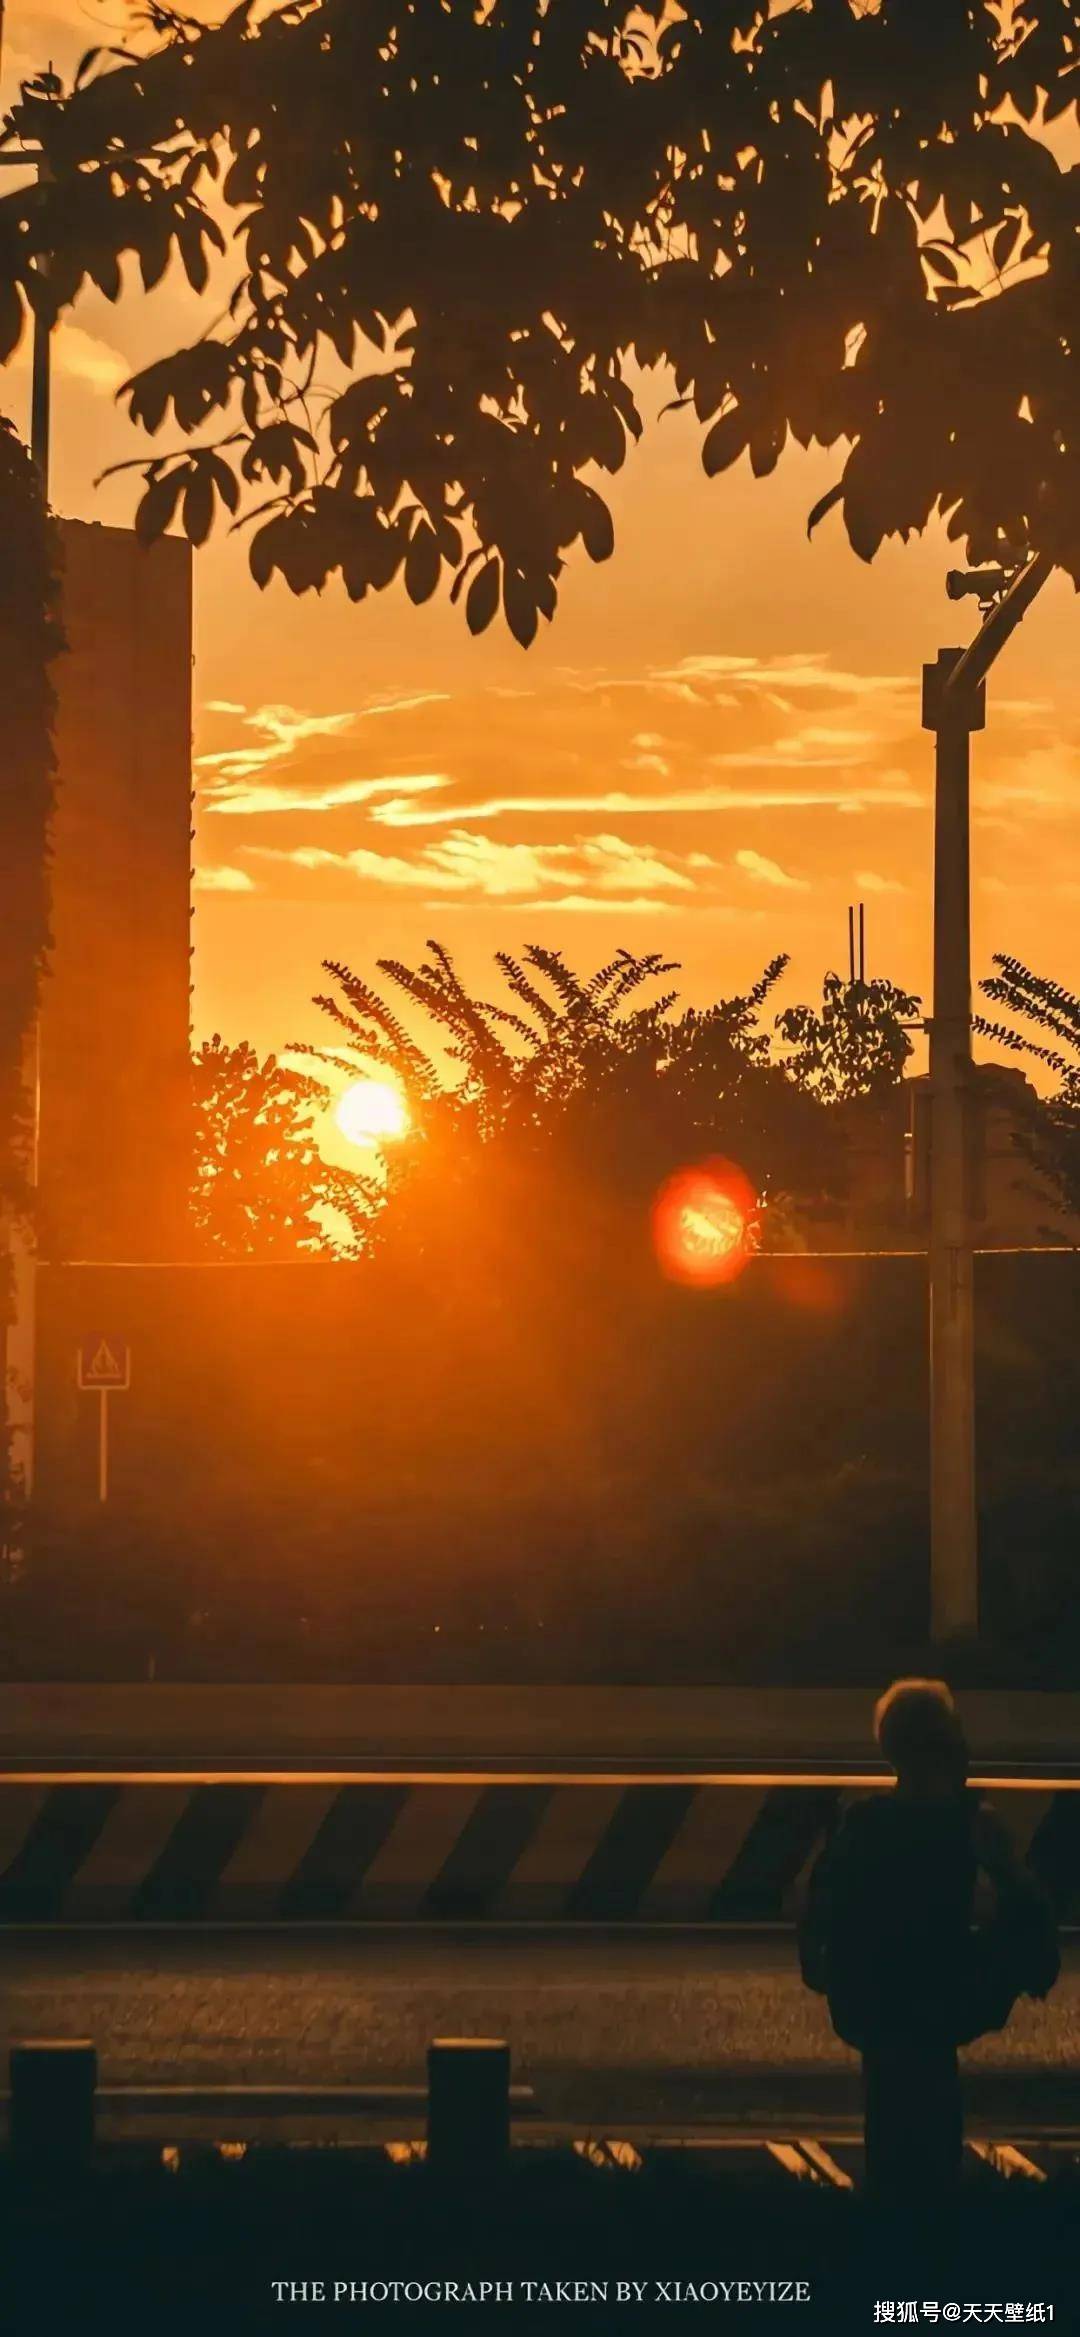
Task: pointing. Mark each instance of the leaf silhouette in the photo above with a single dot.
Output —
(483, 597)
(575, 194)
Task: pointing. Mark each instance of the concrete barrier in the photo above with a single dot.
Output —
(142, 1850)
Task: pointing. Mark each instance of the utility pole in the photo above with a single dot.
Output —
(952, 716)
(954, 705)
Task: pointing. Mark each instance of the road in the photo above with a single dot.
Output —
(634, 2025)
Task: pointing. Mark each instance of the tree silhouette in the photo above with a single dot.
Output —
(854, 1046)
(261, 1186)
(575, 1093)
(1050, 1135)
(458, 232)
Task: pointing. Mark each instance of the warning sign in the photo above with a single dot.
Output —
(104, 1362)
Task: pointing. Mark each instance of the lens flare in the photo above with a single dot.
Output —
(705, 1224)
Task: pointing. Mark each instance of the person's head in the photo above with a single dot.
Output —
(919, 1731)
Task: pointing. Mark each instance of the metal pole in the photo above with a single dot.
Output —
(103, 1444)
(954, 1583)
(954, 704)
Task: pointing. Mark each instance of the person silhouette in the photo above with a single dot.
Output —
(889, 1937)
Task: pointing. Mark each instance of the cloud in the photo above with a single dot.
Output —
(618, 865)
(586, 904)
(223, 880)
(893, 792)
(1042, 782)
(655, 683)
(648, 762)
(764, 871)
(717, 679)
(281, 729)
(812, 748)
(250, 801)
(235, 779)
(805, 671)
(477, 866)
(79, 356)
(818, 734)
(287, 726)
(380, 867)
(867, 880)
(404, 705)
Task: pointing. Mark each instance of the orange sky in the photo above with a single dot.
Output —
(713, 750)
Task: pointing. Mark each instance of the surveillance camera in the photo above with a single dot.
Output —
(983, 584)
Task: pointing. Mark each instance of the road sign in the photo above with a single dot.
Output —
(104, 1362)
(103, 1368)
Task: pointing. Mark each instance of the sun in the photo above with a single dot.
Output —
(372, 1111)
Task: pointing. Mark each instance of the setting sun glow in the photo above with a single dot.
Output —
(372, 1111)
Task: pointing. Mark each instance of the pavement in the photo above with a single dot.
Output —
(691, 2029)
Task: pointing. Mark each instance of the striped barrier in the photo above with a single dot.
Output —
(172, 1850)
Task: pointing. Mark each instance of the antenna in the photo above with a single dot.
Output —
(862, 941)
(851, 947)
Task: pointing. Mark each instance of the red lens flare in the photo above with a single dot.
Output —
(705, 1224)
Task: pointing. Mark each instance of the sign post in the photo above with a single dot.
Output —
(103, 1367)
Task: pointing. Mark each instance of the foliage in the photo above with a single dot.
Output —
(29, 638)
(460, 230)
(576, 1097)
(1050, 1137)
(262, 1188)
(855, 1045)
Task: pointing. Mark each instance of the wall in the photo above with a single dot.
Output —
(328, 1472)
(116, 1001)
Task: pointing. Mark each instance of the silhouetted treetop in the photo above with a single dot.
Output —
(1049, 1130)
(855, 1044)
(568, 1097)
(441, 239)
(261, 1186)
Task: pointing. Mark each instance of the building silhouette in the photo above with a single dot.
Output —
(885, 1201)
(114, 1144)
